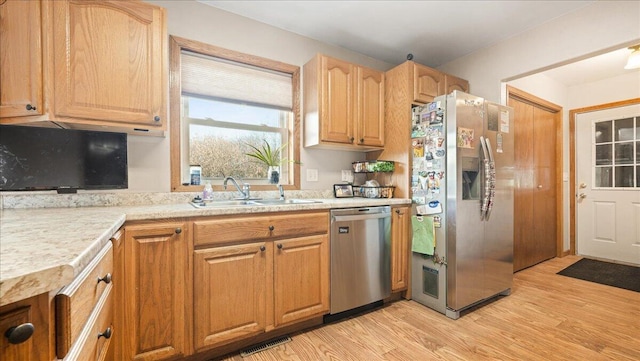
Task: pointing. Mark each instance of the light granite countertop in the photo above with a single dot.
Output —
(43, 249)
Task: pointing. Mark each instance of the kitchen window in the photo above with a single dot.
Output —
(222, 103)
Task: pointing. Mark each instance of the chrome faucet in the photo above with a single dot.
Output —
(281, 189)
(245, 190)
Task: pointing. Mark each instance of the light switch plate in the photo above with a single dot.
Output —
(312, 175)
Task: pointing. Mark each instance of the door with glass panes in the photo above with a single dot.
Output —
(608, 184)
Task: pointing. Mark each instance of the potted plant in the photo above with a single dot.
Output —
(271, 157)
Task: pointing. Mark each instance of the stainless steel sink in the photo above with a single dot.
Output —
(286, 201)
(252, 202)
(217, 204)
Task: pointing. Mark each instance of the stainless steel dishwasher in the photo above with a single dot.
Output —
(360, 257)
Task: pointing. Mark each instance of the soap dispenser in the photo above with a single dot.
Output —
(207, 194)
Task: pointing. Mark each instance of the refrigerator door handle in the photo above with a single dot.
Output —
(492, 179)
(486, 180)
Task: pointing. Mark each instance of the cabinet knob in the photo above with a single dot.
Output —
(30, 107)
(397, 211)
(361, 140)
(263, 248)
(352, 139)
(106, 334)
(19, 334)
(271, 228)
(106, 279)
(178, 230)
(279, 245)
(156, 118)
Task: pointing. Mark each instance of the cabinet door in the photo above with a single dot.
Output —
(338, 107)
(400, 218)
(115, 75)
(301, 278)
(428, 83)
(370, 124)
(231, 292)
(454, 83)
(21, 58)
(34, 310)
(154, 295)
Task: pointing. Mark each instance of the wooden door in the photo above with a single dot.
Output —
(452, 83)
(21, 84)
(115, 75)
(338, 101)
(400, 218)
(301, 278)
(428, 83)
(231, 292)
(536, 191)
(370, 123)
(154, 293)
(34, 310)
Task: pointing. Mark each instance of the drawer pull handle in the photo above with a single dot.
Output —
(30, 107)
(279, 245)
(156, 118)
(106, 279)
(178, 230)
(263, 248)
(19, 334)
(271, 228)
(106, 334)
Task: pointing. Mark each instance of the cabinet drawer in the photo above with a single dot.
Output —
(95, 338)
(259, 228)
(76, 301)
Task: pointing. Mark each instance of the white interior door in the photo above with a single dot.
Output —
(608, 189)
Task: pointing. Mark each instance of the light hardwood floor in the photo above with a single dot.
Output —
(546, 317)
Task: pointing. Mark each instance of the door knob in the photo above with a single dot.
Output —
(582, 196)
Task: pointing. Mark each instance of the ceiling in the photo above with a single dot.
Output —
(435, 32)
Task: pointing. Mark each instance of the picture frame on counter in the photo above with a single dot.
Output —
(342, 191)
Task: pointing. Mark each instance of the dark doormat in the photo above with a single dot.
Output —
(606, 273)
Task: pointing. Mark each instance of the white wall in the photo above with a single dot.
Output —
(149, 157)
(519, 61)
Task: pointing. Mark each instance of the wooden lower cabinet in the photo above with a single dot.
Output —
(400, 222)
(15, 317)
(247, 288)
(156, 272)
(230, 292)
(300, 278)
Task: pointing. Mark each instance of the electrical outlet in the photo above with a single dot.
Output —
(312, 175)
(347, 176)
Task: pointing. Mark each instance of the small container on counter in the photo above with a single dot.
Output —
(195, 170)
(207, 193)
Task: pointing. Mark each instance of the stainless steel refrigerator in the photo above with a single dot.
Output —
(463, 180)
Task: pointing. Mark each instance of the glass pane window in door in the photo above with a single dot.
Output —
(603, 154)
(624, 177)
(624, 129)
(603, 177)
(603, 132)
(624, 153)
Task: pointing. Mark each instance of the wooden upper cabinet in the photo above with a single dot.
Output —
(109, 61)
(428, 83)
(452, 83)
(370, 124)
(21, 83)
(343, 105)
(338, 106)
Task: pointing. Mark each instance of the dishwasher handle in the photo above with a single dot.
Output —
(360, 217)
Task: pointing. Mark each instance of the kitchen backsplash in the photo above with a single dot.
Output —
(54, 200)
